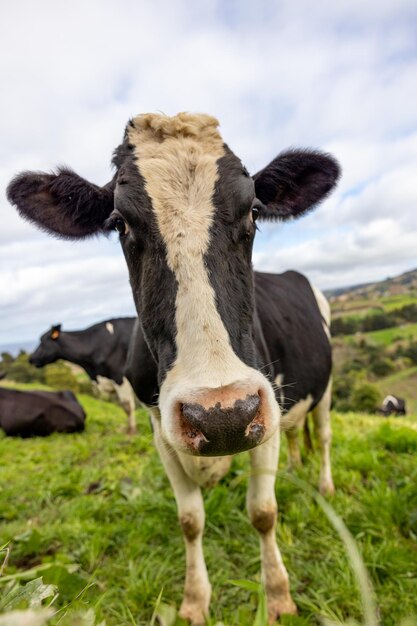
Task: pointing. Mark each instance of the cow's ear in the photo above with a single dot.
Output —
(294, 182)
(55, 331)
(63, 204)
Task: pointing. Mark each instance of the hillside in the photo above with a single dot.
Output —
(374, 329)
(401, 284)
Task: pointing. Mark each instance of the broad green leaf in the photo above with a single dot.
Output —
(30, 595)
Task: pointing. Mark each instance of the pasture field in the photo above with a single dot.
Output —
(387, 336)
(360, 307)
(94, 514)
(402, 384)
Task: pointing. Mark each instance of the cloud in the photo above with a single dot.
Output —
(340, 76)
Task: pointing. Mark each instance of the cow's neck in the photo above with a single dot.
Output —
(77, 348)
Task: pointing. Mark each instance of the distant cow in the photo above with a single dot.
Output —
(222, 347)
(392, 405)
(39, 413)
(100, 350)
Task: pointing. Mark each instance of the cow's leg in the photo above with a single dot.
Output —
(321, 418)
(126, 398)
(262, 509)
(294, 420)
(197, 589)
(294, 456)
(308, 443)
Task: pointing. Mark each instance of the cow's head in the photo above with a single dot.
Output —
(185, 209)
(48, 350)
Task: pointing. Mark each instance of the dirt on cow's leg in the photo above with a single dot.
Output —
(262, 509)
(197, 588)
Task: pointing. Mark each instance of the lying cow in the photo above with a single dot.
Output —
(100, 350)
(392, 405)
(39, 413)
(223, 343)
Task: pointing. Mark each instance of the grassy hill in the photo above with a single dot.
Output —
(386, 295)
(94, 514)
(374, 329)
(389, 336)
(398, 285)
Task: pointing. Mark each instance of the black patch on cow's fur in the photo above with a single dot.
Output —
(294, 183)
(228, 257)
(298, 347)
(141, 368)
(62, 204)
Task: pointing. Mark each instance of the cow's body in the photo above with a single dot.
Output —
(39, 413)
(392, 405)
(292, 340)
(101, 350)
(212, 336)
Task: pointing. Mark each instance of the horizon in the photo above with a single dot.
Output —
(28, 344)
(337, 77)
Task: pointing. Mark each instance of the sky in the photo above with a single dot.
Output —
(339, 76)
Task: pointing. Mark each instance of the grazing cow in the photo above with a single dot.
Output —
(39, 413)
(100, 349)
(213, 336)
(393, 405)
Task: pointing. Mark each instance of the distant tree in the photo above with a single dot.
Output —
(376, 321)
(59, 376)
(411, 352)
(344, 326)
(6, 359)
(365, 397)
(381, 366)
(409, 313)
(21, 371)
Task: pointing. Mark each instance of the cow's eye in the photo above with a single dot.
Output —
(255, 213)
(120, 225)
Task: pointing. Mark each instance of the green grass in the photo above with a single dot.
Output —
(355, 308)
(97, 509)
(386, 336)
(362, 307)
(390, 303)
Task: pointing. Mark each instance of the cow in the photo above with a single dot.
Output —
(393, 405)
(218, 347)
(39, 413)
(100, 350)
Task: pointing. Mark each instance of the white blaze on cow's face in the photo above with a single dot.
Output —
(211, 401)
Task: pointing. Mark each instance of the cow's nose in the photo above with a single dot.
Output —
(31, 361)
(223, 430)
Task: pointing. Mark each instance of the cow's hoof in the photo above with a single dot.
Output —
(131, 431)
(326, 487)
(283, 606)
(194, 613)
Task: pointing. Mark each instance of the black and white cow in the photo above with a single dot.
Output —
(217, 344)
(101, 350)
(39, 413)
(393, 405)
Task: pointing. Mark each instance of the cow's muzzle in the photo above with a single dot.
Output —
(216, 429)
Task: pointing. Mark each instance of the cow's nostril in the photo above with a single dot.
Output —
(247, 409)
(194, 414)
